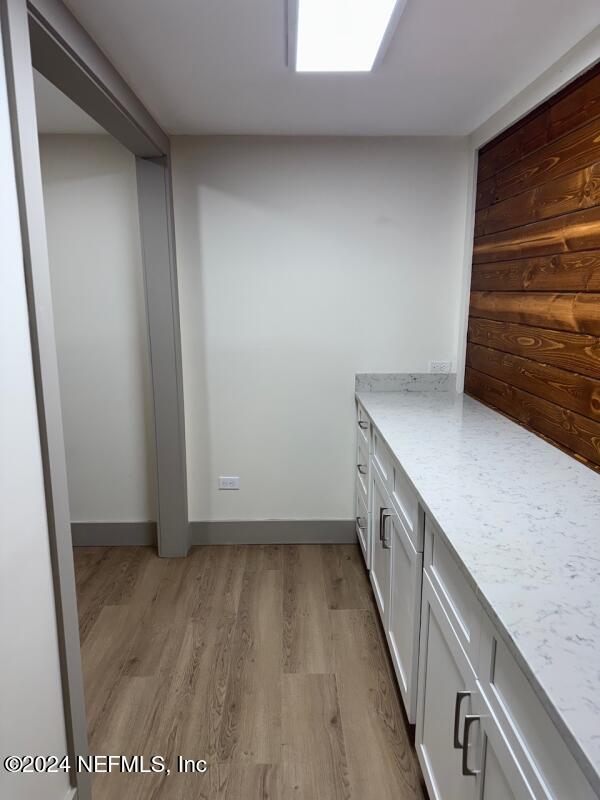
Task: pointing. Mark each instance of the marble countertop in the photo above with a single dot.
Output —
(524, 520)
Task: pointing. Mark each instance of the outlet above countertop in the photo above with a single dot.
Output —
(523, 520)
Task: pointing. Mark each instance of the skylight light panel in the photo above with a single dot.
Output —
(343, 35)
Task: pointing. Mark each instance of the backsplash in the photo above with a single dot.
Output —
(405, 382)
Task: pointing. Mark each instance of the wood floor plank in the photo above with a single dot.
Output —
(387, 769)
(197, 700)
(251, 726)
(307, 636)
(217, 579)
(191, 658)
(97, 587)
(346, 582)
(125, 572)
(104, 654)
(263, 556)
(315, 766)
(158, 635)
(86, 560)
(252, 782)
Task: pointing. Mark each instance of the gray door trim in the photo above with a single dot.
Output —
(19, 79)
(65, 53)
(162, 313)
(45, 33)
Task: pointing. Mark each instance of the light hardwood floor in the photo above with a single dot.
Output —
(266, 661)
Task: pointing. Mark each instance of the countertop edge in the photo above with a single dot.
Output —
(576, 749)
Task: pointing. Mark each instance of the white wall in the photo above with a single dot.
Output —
(97, 285)
(31, 708)
(302, 262)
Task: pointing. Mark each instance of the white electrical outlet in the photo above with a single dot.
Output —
(229, 482)
(440, 366)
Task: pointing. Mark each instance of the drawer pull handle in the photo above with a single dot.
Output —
(362, 469)
(466, 770)
(460, 696)
(381, 513)
(384, 541)
(361, 522)
(363, 424)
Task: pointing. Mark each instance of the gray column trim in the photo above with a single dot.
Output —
(162, 306)
(68, 56)
(19, 79)
(271, 531)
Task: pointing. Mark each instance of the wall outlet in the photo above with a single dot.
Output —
(229, 482)
(440, 366)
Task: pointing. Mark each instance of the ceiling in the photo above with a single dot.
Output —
(218, 66)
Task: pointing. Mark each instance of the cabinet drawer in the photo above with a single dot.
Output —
(362, 467)
(455, 593)
(363, 424)
(406, 504)
(541, 752)
(381, 457)
(363, 531)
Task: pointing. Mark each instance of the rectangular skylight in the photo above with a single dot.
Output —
(343, 35)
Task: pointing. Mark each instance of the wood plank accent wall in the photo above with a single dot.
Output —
(533, 344)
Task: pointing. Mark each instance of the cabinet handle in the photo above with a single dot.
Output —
(469, 720)
(384, 541)
(382, 511)
(361, 522)
(363, 424)
(362, 469)
(460, 696)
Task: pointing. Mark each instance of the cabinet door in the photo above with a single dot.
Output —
(405, 612)
(499, 776)
(446, 693)
(362, 527)
(380, 546)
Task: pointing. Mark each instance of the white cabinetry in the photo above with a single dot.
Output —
(497, 773)
(362, 527)
(482, 732)
(362, 504)
(405, 612)
(447, 685)
(381, 548)
(396, 575)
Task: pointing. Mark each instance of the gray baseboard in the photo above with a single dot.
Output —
(273, 531)
(113, 534)
(313, 531)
